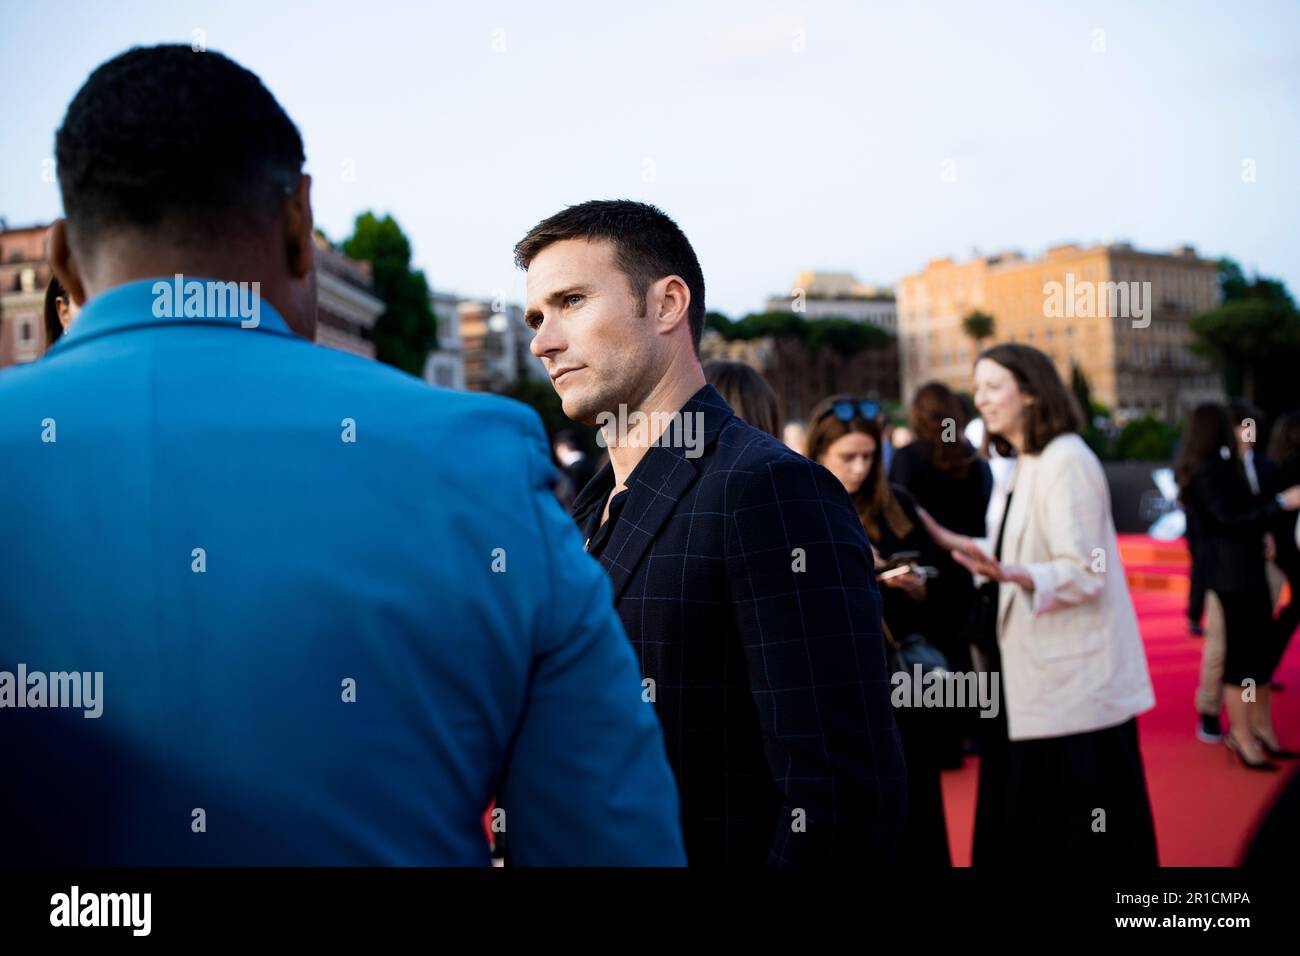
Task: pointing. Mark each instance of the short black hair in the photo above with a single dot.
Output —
(648, 245)
(166, 138)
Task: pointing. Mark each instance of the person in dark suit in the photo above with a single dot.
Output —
(1213, 486)
(846, 438)
(574, 460)
(739, 567)
(1284, 451)
(319, 640)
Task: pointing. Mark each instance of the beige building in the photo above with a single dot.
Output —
(494, 346)
(24, 274)
(824, 295)
(1121, 315)
(346, 305)
(445, 365)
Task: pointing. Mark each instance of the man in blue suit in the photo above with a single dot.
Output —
(740, 568)
(251, 613)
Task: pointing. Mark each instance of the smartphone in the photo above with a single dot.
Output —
(896, 572)
(899, 559)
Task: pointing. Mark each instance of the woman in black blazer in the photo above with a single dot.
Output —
(1214, 491)
(1284, 450)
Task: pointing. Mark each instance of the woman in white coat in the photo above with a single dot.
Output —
(1061, 774)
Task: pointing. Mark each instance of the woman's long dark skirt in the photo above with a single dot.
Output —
(1062, 801)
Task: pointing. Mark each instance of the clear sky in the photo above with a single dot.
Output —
(782, 136)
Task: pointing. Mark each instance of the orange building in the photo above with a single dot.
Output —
(1119, 314)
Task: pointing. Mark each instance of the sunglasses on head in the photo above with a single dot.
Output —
(846, 409)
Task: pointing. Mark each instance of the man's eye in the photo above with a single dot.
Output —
(573, 298)
(534, 322)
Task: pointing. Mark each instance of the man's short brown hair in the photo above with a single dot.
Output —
(647, 246)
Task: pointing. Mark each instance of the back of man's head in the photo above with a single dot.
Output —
(168, 155)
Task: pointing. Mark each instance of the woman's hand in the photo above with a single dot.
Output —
(970, 556)
(939, 534)
(977, 562)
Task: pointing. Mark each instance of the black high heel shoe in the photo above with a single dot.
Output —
(1235, 748)
(1278, 753)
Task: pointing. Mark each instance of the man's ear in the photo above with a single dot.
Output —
(299, 247)
(674, 302)
(59, 254)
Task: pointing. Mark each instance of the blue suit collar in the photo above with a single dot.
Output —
(151, 302)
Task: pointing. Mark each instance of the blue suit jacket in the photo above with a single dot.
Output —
(745, 582)
(325, 564)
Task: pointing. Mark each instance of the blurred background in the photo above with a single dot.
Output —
(875, 191)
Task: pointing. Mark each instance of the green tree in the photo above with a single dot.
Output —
(717, 321)
(845, 336)
(1232, 281)
(978, 326)
(1256, 344)
(1253, 338)
(406, 332)
(1095, 437)
(1146, 439)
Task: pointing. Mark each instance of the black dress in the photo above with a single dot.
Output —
(1286, 474)
(1232, 522)
(924, 843)
(1080, 799)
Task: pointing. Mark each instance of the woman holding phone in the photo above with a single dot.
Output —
(844, 436)
(1061, 775)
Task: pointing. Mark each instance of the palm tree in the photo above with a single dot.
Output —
(979, 326)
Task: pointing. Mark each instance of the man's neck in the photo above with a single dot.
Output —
(665, 399)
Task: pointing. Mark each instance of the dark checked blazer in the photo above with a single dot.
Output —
(770, 683)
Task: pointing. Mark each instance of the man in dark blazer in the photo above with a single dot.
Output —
(739, 567)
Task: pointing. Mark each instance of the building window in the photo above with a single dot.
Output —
(25, 332)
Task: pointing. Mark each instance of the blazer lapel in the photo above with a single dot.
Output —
(658, 483)
(653, 494)
(1017, 522)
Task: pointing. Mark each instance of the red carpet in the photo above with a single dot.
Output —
(1205, 807)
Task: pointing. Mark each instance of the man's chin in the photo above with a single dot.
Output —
(576, 410)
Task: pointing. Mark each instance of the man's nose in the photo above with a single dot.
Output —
(545, 340)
